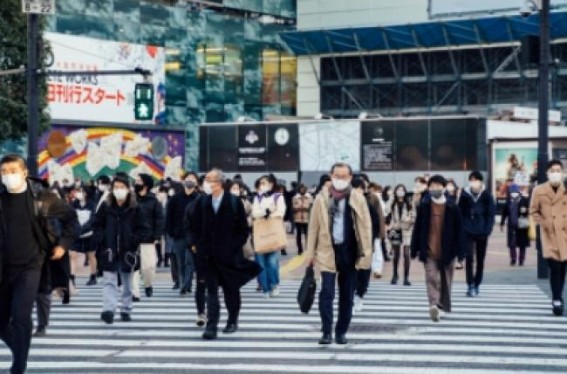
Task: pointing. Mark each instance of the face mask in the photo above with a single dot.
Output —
(80, 196)
(400, 193)
(475, 185)
(450, 188)
(340, 185)
(436, 194)
(120, 193)
(102, 187)
(161, 196)
(514, 194)
(207, 188)
(13, 182)
(190, 185)
(138, 188)
(171, 192)
(235, 192)
(554, 177)
(265, 188)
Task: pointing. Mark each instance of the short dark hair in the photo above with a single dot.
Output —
(550, 164)
(476, 175)
(439, 179)
(12, 157)
(358, 182)
(341, 165)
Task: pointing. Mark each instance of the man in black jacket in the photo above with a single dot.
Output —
(438, 238)
(153, 211)
(220, 236)
(37, 227)
(175, 211)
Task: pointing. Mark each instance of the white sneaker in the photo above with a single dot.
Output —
(201, 320)
(266, 295)
(358, 303)
(275, 292)
(434, 313)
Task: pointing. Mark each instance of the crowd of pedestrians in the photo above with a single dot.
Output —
(214, 233)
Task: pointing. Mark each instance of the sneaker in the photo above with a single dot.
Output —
(266, 295)
(558, 308)
(175, 286)
(135, 299)
(434, 313)
(183, 292)
(275, 291)
(377, 275)
(358, 303)
(470, 291)
(125, 317)
(92, 281)
(394, 280)
(40, 332)
(149, 291)
(107, 317)
(475, 291)
(201, 320)
(459, 266)
(407, 283)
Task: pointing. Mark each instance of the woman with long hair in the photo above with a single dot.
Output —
(401, 226)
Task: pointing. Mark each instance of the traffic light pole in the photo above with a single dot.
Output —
(32, 91)
(543, 122)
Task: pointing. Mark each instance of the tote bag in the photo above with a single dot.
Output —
(269, 235)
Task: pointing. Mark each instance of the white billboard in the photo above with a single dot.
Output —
(440, 8)
(101, 98)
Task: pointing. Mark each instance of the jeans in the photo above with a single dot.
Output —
(269, 278)
(110, 291)
(347, 283)
(185, 263)
(476, 251)
(17, 296)
(301, 229)
(232, 301)
(557, 271)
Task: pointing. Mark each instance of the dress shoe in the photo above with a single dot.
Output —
(125, 317)
(66, 297)
(92, 280)
(230, 328)
(407, 283)
(341, 339)
(210, 334)
(135, 299)
(149, 291)
(40, 332)
(558, 308)
(326, 339)
(394, 280)
(107, 317)
(175, 286)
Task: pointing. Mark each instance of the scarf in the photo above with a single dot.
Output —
(339, 195)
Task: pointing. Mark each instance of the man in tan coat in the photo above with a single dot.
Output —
(549, 210)
(339, 241)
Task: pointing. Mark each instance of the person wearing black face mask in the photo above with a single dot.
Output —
(153, 212)
(174, 227)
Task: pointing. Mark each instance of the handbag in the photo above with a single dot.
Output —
(269, 235)
(395, 237)
(306, 293)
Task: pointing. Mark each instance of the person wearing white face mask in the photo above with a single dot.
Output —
(478, 210)
(402, 217)
(516, 213)
(85, 208)
(438, 238)
(339, 241)
(34, 245)
(549, 210)
(119, 227)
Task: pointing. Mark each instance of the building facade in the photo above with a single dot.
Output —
(224, 58)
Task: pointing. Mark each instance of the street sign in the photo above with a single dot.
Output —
(38, 6)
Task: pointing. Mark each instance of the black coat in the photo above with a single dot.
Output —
(521, 235)
(478, 214)
(220, 238)
(154, 213)
(117, 233)
(452, 242)
(175, 211)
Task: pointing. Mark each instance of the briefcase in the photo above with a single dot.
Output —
(306, 293)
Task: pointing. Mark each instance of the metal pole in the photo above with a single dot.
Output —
(32, 92)
(543, 122)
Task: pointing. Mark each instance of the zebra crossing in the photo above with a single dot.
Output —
(507, 329)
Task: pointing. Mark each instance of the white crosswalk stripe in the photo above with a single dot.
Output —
(508, 329)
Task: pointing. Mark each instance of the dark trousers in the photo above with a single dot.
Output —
(514, 255)
(476, 252)
(362, 282)
(173, 264)
(347, 283)
(43, 308)
(201, 286)
(231, 299)
(17, 296)
(557, 278)
(300, 230)
(159, 253)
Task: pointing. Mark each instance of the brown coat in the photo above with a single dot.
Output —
(374, 202)
(301, 206)
(549, 210)
(319, 240)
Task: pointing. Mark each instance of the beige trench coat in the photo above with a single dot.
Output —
(549, 210)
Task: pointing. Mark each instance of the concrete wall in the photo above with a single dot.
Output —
(317, 14)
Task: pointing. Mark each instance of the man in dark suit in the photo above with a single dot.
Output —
(220, 235)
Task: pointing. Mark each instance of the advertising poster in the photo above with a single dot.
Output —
(252, 147)
(513, 163)
(69, 152)
(108, 98)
